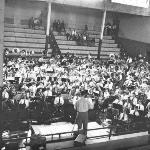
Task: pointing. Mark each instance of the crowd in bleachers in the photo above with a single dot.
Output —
(81, 37)
(121, 84)
(112, 29)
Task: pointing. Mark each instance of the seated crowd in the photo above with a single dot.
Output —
(82, 38)
(112, 29)
(121, 86)
(34, 22)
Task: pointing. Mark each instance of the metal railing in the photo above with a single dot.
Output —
(58, 137)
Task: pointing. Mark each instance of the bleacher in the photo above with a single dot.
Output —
(20, 36)
(108, 45)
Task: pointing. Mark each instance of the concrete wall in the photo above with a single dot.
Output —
(134, 33)
(19, 9)
(135, 28)
(2, 6)
(73, 16)
(76, 17)
(102, 4)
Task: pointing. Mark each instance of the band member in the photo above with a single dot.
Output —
(82, 106)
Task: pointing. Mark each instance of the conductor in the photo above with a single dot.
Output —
(82, 106)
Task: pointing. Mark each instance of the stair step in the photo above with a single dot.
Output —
(24, 45)
(58, 37)
(34, 55)
(25, 35)
(31, 49)
(104, 57)
(91, 32)
(61, 42)
(85, 52)
(20, 26)
(24, 40)
(78, 47)
(110, 49)
(108, 41)
(109, 45)
(107, 37)
(71, 43)
(20, 30)
(108, 53)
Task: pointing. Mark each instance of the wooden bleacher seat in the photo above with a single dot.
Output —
(20, 30)
(24, 40)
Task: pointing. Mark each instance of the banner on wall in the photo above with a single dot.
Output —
(137, 3)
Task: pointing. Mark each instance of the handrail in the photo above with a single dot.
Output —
(71, 132)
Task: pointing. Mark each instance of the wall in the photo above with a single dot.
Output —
(2, 6)
(72, 15)
(19, 9)
(77, 17)
(134, 33)
(134, 47)
(102, 4)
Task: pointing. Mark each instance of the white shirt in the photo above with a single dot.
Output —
(59, 100)
(136, 113)
(83, 105)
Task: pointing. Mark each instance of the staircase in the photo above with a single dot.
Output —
(20, 36)
(108, 45)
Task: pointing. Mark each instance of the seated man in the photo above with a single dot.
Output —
(74, 34)
(31, 23)
(124, 116)
(68, 34)
(109, 115)
(108, 29)
(134, 114)
(36, 22)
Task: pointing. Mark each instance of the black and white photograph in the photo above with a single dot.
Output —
(74, 74)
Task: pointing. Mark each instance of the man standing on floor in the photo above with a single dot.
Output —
(82, 106)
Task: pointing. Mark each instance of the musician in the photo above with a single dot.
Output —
(33, 89)
(24, 101)
(140, 106)
(59, 100)
(135, 112)
(48, 92)
(124, 116)
(5, 97)
(39, 95)
(82, 106)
